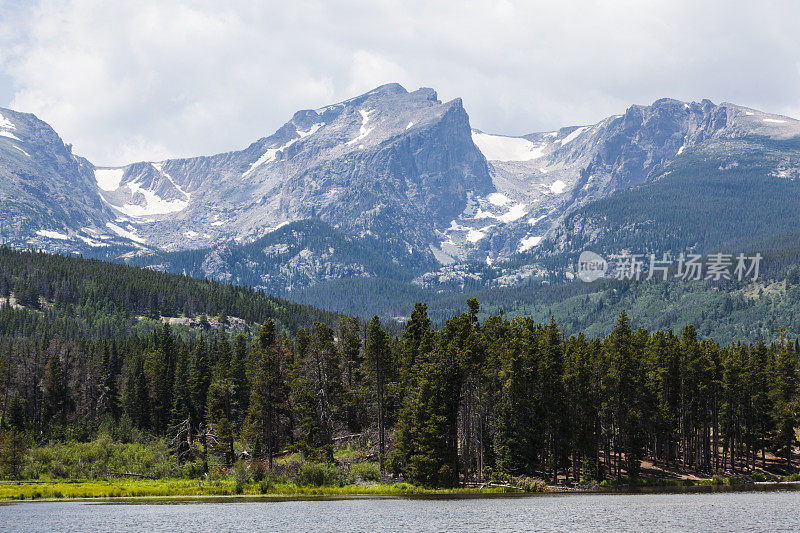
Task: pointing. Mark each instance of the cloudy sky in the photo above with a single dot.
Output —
(150, 79)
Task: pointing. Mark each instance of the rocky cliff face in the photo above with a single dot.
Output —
(47, 194)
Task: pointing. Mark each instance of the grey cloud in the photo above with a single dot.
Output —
(152, 79)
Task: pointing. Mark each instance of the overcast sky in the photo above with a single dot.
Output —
(151, 79)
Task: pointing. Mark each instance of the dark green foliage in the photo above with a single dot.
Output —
(317, 390)
(137, 398)
(100, 299)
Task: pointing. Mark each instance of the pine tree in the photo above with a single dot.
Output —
(378, 354)
(199, 382)
(55, 392)
(785, 401)
(417, 339)
(317, 390)
(427, 439)
(137, 401)
(160, 371)
(6, 358)
(515, 440)
(221, 412)
(758, 375)
(239, 377)
(551, 394)
(109, 399)
(267, 417)
(581, 394)
(181, 398)
(354, 400)
(626, 394)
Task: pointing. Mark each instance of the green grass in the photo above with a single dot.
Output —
(192, 488)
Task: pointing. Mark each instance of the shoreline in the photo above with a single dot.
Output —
(357, 492)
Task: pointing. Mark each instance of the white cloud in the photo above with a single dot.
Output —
(369, 70)
(128, 80)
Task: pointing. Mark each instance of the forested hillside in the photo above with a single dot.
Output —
(70, 297)
(496, 398)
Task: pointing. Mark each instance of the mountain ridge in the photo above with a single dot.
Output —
(398, 172)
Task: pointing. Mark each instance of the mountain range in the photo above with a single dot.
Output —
(398, 186)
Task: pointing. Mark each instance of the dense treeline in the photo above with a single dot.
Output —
(469, 401)
(515, 397)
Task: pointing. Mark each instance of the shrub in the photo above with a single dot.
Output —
(364, 472)
(241, 475)
(57, 470)
(317, 475)
(192, 470)
(321, 454)
(266, 485)
(718, 478)
(258, 470)
(529, 484)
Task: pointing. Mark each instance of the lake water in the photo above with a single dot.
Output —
(742, 511)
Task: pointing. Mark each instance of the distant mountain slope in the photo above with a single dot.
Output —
(729, 194)
(558, 172)
(296, 255)
(397, 185)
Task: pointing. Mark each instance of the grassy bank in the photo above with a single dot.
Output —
(192, 488)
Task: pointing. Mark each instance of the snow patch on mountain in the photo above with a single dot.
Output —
(501, 148)
(6, 124)
(363, 130)
(516, 212)
(108, 179)
(128, 234)
(160, 168)
(557, 187)
(529, 242)
(93, 243)
(10, 135)
(153, 204)
(52, 235)
(572, 136)
(498, 199)
(474, 235)
(271, 153)
(23, 151)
